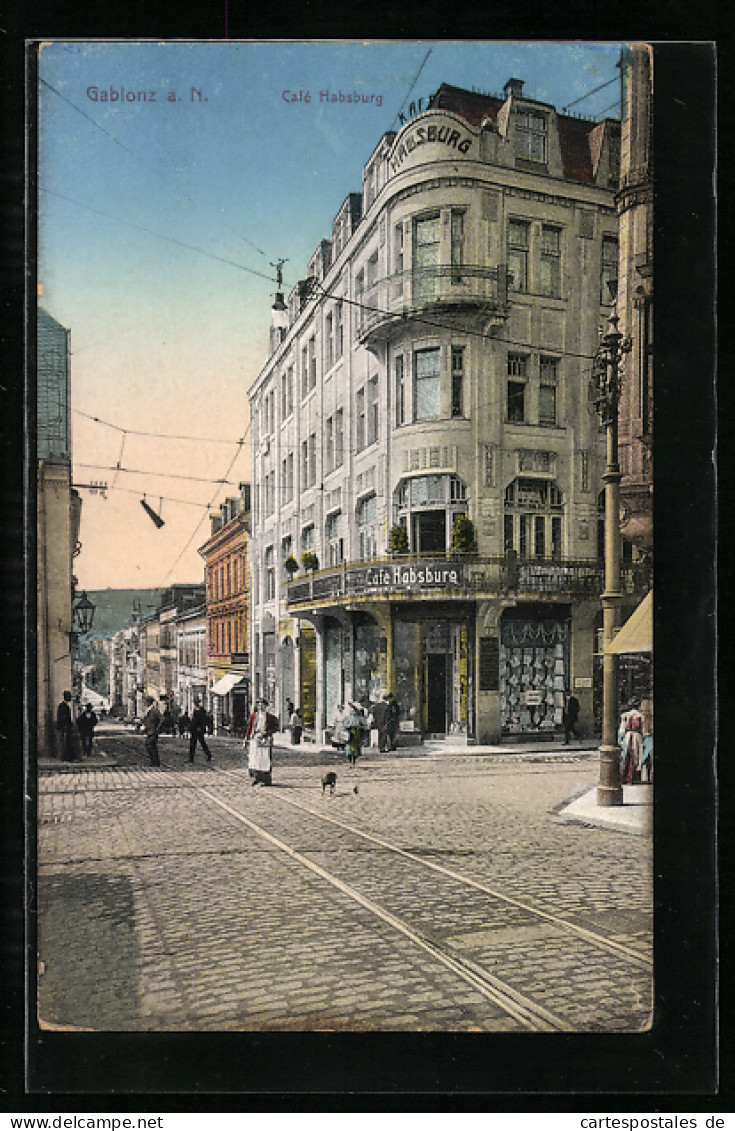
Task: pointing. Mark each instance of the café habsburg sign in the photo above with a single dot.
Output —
(417, 577)
(435, 136)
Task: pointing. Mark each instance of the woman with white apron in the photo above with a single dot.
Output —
(259, 742)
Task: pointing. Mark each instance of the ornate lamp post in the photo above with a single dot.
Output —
(606, 397)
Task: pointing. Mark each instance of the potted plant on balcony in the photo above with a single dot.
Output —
(398, 540)
(463, 535)
(309, 561)
(291, 566)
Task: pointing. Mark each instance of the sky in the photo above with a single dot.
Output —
(160, 220)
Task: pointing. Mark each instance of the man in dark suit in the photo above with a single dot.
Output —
(197, 731)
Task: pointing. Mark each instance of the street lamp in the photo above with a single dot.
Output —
(606, 397)
(82, 614)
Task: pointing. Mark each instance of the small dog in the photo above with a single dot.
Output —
(330, 780)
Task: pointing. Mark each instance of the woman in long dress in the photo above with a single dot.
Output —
(259, 742)
(353, 723)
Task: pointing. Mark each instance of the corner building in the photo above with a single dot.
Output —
(435, 362)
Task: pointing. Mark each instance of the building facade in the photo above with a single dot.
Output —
(432, 368)
(58, 516)
(191, 654)
(225, 555)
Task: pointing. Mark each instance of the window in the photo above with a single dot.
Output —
(307, 538)
(373, 419)
(284, 479)
(360, 420)
(312, 459)
(367, 527)
(518, 255)
(426, 243)
(270, 574)
(312, 363)
(284, 396)
(608, 269)
(329, 445)
(398, 249)
(550, 279)
(286, 547)
(530, 136)
(359, 291)
(333, 539)
(547, 392)
(304, 464)
(329, 342)
(426, 384)
(338, 332)
(532, 523)
(516, 402)
(400, 391)
(304, 371)
(272, 400)
(457, 377)
(339, 437)
(457, 244)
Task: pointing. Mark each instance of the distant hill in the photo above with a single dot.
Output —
(114, 607)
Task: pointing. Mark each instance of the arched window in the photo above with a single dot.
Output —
(427, 505)
(534, 509)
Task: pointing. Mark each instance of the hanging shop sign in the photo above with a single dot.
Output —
(419, 576)
(433, 137)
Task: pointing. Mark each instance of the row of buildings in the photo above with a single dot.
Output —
(426, 509)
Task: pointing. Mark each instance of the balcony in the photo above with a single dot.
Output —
(439, 577)
(428, 290)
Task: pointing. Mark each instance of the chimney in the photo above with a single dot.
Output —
(513, 88)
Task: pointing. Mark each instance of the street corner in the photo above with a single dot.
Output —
(634, 816)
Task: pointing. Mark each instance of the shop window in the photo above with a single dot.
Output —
(457, 381)
(518, 233)
(550, 277)
(426, 384)
(608, 270)
(530, 136)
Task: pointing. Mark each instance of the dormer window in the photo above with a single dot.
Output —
(530, 136)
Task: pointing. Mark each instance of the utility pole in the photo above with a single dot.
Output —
(606, 397)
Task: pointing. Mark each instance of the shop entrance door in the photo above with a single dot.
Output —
(436, 693)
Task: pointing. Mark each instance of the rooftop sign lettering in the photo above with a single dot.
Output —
(436, 137)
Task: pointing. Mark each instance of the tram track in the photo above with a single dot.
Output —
(523, 1007)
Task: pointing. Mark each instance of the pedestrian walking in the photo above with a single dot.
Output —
(297, 727)
(353, 724)
(259, 742)
(392, 716)
(152, 726)
(64, 728)
(197, 731)
(86, 723)
(571, 713)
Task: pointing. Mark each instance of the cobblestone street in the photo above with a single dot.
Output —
(429, 893)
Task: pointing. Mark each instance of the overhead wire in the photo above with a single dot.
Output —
(589, 93)
(413, 84)
(156, 435)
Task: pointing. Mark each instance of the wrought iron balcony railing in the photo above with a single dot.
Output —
(430, 288)
(457, 575)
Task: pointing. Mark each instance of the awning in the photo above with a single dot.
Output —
(636, 635)
(225, 685)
